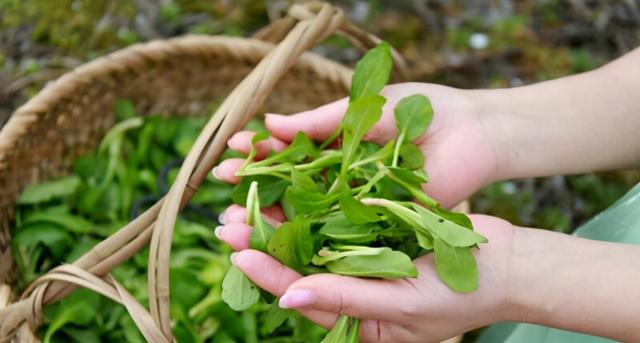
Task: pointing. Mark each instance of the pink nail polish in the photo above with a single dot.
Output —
(214, 172)
(296, 298)
(217, 231)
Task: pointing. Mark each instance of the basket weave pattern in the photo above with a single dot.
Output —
(182, 75)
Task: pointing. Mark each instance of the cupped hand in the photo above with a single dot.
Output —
(459, 157)
(403, 310)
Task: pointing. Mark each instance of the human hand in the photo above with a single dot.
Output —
(402, 310)
(459, 156)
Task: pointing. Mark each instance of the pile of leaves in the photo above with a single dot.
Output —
(349, 210)
(59, 220)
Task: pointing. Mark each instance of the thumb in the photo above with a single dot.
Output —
(318, 123)
(359, 298)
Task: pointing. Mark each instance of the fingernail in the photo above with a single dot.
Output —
(217, 231)
(296, 298)
(221, 217)
(214, 172)
(232, 257)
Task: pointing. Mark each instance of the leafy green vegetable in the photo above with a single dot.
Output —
(339, 331)
(238, 291)
(413, 115)
(371, 72)
(456, 267)
(361, 115)
(388, 264)
(357, 212)
(270, 189)
(292, 244)
(46, 191)
(262, 231)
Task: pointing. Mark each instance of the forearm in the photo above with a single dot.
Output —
(576, 284)
(581, 123)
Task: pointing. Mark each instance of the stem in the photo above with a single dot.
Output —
(325, 255)
(396, 149)
(364, 189)
(324, 161)
(417, 193)
(331, 138)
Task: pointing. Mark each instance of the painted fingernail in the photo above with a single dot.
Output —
(215, 173)
(221, 217)
(296, 298)
(232, 257)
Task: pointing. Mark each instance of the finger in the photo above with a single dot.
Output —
(235, 234)
(267, 272)
(318, 123)
(241, 142)
(254, 263)
(226, 170)
(275, 212)
(360, 298)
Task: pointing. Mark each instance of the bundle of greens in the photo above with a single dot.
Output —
(349, 211)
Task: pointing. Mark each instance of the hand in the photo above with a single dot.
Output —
(403, 310)
(459, 155)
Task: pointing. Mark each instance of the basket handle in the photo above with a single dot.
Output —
(360, 39)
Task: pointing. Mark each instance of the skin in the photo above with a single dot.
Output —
(478, 137)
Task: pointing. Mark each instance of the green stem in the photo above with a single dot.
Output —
(396, 149)
(366, 188)
(331, 138)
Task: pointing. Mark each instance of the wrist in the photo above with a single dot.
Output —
(491, 111)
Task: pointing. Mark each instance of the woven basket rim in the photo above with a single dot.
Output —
(250, 49)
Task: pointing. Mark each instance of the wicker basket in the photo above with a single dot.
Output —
(182, 75)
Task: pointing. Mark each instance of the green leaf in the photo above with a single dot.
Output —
(261, 232)
(425, 240)
(339, 228)
(275, 316)
(48, 190)
(450, 232)
(292, 244)
(413, 115)
(456, 267)
(354, 331)
(388, 264)
(338, 333)
(270, 189)
(305, 197)
(78, 308)
(238, 291)
(300, 148)
(67, 221)
(411, 156)
(409, 176)
(456, 217)
(124, 109)
(380, 155)
(259, 136)
(371, 72)
(357, 212)
(362, 114)
(57, 239)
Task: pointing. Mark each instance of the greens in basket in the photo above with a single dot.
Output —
(59, 220)
(349, 210)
